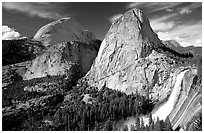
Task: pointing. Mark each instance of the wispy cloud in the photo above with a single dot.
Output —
(153, 6)
(163, 23)
(184, 11)
(43, 10)
(176, 7)
(169, 25)
(188, 9)
(9, 33)
(114, 17)
(186, 34)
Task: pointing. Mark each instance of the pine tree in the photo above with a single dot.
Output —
(96, 126)
(157, 126)
(142, 127)
(137, 124)
(167, 125)
(125, 128)
(162, 125)
(130, 105)
(114, 128)
(108, 125)
(151, 123)
(132, 128)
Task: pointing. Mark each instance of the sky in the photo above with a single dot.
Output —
(180, 21)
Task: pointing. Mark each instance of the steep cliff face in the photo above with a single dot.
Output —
(69, 46)
(63, 59)
(63, 30)
(132, 58)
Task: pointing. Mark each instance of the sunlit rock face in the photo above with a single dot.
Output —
(69, 46)
(129, 60)
(63, 59)
(63, 30)
(132, 59)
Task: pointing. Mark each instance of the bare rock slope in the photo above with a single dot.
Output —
(63, 59)
(69, 46)
(132, 59)
(63, 30)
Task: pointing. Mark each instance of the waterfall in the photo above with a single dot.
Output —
(165, 109)
(162, 111)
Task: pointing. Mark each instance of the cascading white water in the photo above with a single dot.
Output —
(165, 109)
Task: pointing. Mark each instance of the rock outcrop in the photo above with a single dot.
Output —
(70, 49)
(63, 30)
(172, 44)
(64, 59)
(131, 58)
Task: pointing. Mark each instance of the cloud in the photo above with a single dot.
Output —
(182, 41)
(188, 9)
(177, 7)
(163, 23)
(169, 10)
(184, 11)
(169, 23)
(186, 34)
(168, 36)
(198, 42)
(43, 10)
(9, 33)
(114, 17)
(164, 36)
(153, 6)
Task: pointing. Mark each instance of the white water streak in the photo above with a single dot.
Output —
(167, 107)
